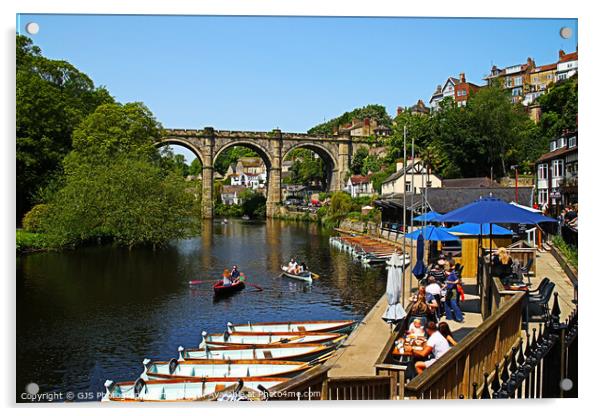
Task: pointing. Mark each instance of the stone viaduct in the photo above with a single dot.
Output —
(273, 147)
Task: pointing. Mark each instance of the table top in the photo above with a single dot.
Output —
(408, 344)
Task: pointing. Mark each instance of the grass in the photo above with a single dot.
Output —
(568, 251)
(28, 241)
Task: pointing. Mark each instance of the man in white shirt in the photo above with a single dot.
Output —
(436, 344)
(433, 287)
(292, 266)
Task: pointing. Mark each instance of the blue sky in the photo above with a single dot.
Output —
(259, 73)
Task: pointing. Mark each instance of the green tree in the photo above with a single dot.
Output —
(253, 203)
(116, 187)
(374, 111)
(230, 156)
(357, 162)
(195, 168)
(559, 109)
(52, 98)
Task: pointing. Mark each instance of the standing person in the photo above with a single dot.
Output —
(447, 334)
(436, 344)
(452, 310)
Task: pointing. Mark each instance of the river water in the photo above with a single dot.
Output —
(95, 313)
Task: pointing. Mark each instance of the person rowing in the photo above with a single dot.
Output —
(292, 266)
(226, 281)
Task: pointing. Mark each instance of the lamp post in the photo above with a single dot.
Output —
(515, 167)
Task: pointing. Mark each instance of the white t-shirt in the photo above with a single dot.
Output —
(439, 344)
(433, 289)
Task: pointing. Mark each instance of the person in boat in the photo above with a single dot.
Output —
(226, 278)
(235, 274)
(292, 266)
(302, 268)
(436, 345)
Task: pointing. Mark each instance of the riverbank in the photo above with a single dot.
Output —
(28, 242)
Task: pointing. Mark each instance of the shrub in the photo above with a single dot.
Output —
(33, 220)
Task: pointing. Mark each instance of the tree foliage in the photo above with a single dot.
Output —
(307, 168)
(230, 156)
(559, 108)
(374, 111)
(116, 186)
(52, 98)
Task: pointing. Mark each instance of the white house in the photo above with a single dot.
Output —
(394, 184)
(359, 185)
(567, 65)
(231, 194)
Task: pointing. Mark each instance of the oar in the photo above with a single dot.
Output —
(198, 282)
(315, 275)
(259, 288)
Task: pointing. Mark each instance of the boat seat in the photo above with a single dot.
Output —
(219, 387)
(301, 329)
(267, 355)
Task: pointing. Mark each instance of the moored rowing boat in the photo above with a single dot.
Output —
(277, 328)
(267, 339)
(171, 390)
(289, 352)
(236, 369)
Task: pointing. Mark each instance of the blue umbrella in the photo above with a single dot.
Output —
(431, 216)
(419, 269)
(432, 233)
(471, 228)
(490, 210)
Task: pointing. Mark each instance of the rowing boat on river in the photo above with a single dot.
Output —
(247, 339)
(304, 276)
(224, 290)
(171, 390)
(278, 328)
(235, 369)
(289, 352)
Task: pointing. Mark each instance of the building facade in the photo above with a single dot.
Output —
(421, 178)
(557, 174)
(359, 185)
(464, 90)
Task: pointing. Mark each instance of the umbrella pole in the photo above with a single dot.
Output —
(412, 214)
(403, 251)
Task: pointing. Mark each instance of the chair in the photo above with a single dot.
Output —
(537, 292)
(539, 304)
(526, 269)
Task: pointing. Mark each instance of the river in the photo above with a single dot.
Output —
(95, 313)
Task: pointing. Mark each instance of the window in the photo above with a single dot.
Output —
(408, 186)
(572, 141)
(561, 142)
(517, 91)
(542, 197)
(429, 184)
(561, 77)
(453, 248)
(542, 171)
(553, 145)
(558, 168)
(518, 81)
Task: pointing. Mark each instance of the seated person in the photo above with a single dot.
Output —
(226, 278)
(436, 345)
(446, 332)
(292, 266)
(416, 328)
(302, 268)
(424, 305)
(502, 264)
(235, 274)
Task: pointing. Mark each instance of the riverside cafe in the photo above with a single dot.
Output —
(487, 212)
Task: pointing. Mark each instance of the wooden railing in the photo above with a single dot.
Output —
(453, 374)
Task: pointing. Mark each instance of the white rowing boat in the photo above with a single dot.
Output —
(174, 390)
(154, 370)
(289, 352)
(343, 326)
(304, 276)
(227, 339)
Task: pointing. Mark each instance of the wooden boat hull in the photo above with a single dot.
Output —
(305, 277)
(279, 328)
(287, 352)
(263, 339)
(220, 290)
(198, 370)
(177, 390)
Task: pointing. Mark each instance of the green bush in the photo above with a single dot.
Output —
(569, 252)
(27, 241)
(33, 220)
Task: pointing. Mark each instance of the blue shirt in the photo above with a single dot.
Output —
(452, 278)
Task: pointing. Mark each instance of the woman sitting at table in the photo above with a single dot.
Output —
(447, 334)
(424, 305)
(502, 264)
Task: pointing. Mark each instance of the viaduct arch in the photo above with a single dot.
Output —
(272, 147)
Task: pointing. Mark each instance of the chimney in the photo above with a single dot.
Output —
(399, 165)
(420, 103)
(399, 110)
(438, 88)
(561, 53)
(462, 77)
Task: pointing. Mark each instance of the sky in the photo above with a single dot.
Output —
(261, 73)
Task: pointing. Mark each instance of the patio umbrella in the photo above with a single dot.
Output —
(471, 228)
(490, 210)
(419, 269)
(431, 216)
(432, 233)
(395, 311)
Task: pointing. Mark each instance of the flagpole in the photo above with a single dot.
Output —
(412, 212)
(404, 213)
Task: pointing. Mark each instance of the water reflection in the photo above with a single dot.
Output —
(94, 314)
